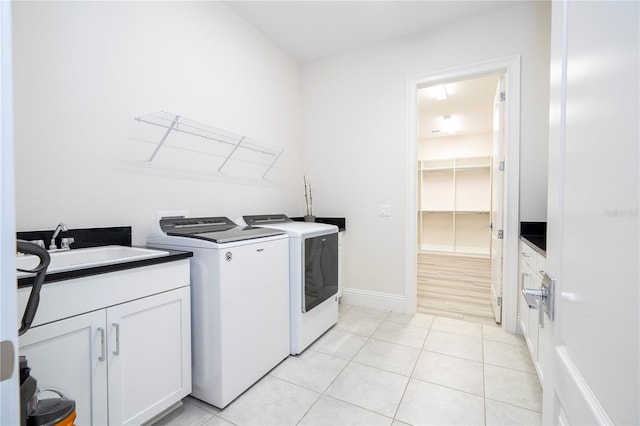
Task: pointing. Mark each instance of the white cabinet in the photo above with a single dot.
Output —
(454, 202)
(65, 354)
(340, 263)
(531, 267)
(148, 355)
(122, 364)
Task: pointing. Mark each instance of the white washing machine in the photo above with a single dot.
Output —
(240, 301)
(313, 275)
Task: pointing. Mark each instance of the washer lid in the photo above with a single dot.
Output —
(291, 227)
(266, 219)
(216, 229)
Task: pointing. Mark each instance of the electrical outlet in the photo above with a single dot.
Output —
(385, 210)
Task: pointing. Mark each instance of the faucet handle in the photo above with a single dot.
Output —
(65, 243)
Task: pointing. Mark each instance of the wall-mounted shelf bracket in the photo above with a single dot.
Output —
(169, 129)
(273, 163)
(230, 154)
(176, 123)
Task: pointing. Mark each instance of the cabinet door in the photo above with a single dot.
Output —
(544, 327)
(149, 352)
(69, 355)
(523, 308)
(529, 316)
(340, 263)
(534, 327)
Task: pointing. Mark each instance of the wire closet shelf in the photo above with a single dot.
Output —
(177, 123)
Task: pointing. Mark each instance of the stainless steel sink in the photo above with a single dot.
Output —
(88, 257)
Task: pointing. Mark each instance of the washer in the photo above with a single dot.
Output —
(313, 269)
(240, 301)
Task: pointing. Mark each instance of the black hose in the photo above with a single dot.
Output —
(40, 271)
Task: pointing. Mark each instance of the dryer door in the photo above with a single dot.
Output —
(320, 270)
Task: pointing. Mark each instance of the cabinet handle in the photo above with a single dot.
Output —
(117, 351)
(525, 254)
(102, 347)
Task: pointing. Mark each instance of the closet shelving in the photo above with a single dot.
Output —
(236, 143)
(454, 205)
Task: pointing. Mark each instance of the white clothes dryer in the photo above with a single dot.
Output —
(240, 301)
(313, 275)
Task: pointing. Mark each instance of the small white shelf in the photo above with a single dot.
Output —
(435, 165)
(438, 191)
(473, 233)
(473, 162)
(176, 123)
(473, 189)
(461, 163)
(437, 231)
(454, 205)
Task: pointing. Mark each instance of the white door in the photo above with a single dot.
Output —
(593, 231)
(497, 157)
(9, 382)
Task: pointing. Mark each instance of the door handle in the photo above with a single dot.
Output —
(532, 296)
(549, 285)
(534, 300)
(542, 299)
(7, 359)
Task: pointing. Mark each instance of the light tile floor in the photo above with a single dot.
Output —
(382, 368)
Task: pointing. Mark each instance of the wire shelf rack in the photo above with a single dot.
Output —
(176, 123)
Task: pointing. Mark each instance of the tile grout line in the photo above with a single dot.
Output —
(404, 392)
(393, 418)
(323, 393)
(484, 379)
(366, 340)
(349, 361)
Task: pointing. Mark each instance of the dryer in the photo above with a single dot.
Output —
(240, 301)
(313, 275)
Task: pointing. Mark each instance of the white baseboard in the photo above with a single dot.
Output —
(373, 299)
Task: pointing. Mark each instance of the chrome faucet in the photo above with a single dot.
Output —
(60, 228)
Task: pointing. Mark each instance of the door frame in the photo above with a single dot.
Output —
(9, 389)
(510, 68)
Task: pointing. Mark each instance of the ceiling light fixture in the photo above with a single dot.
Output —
(450, 124)
(439, 92)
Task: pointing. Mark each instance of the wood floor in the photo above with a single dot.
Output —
(455, 287)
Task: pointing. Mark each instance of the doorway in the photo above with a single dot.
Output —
(475, 245)
(456, 129)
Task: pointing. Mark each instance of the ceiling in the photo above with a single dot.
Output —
(469, 101)
(312, 30)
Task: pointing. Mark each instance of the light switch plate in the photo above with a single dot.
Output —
(385, 210)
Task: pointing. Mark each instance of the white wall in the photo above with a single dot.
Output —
(355, 131)
(459, 146)
(84, 70)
